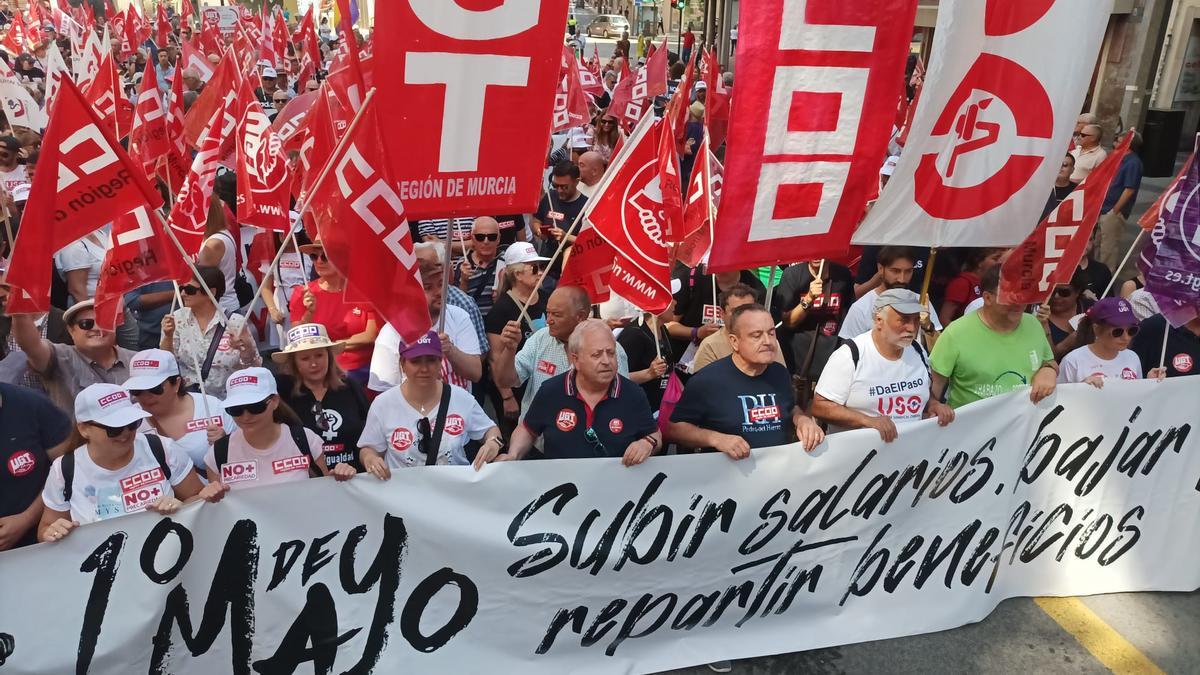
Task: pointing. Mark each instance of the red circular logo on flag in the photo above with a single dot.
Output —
(1183, 363)
(566, 420)
(402, 439)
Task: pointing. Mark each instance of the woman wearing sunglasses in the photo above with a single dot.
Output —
(425, 421)
(113, 470)
(320, 301)
(200, 343)
(607, 135)
(1057, 314)
(270, 445)
(316, 388)
(190, 420)
(1106, 330)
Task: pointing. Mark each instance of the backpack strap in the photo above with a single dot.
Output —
(435, 443)
(68, 472)
(921, 353)
(160, 453)
(300, 438)
(854, 356)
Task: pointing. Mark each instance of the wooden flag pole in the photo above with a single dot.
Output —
(928, 276)
(770, 284)
(1124, 261)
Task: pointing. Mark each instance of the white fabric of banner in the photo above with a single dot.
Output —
(585, 566)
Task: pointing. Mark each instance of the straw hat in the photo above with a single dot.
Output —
(304, 337)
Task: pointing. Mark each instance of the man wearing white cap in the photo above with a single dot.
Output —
(116, 471)
(881, 377)
(266, 93)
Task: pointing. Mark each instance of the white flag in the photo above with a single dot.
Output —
(19, 106)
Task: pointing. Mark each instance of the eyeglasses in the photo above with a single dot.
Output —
(594, 441)
(491, 236)
(86, 324)
(608, 121)
(1131, 330)
(319, 415)
(1083, 135)
(252, 408)
(190, 290)
(319, 256)
(113, 432)
(1064, 291)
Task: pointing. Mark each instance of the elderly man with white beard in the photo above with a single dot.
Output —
(881, 377)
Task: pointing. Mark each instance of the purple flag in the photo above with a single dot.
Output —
(1171, 259)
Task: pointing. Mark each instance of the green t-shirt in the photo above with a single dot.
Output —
(981, 363)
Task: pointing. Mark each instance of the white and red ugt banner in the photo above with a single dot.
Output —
(811, 115)
(468, 88)
(1003, 89)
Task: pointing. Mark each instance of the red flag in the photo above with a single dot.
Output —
(141, 254)
(319, 141)
(350, 43)
(148, 131)
(221, 87)
(190, 212)
(136, 28)
(593, 64)
(716, 100)
(570, 103)
(704, 194)
(106, 96)
(85, 180)
(355, 199)
(654, 74)
(1051, 253)
(669, 182)
(211, 40)
(589, 80)
(624, 74)
(16, 37)
(677, 107)
(162, 28)
(190, 57)
(264, 184)
(909, 112)
(176, 163)
(627, 109)
(187, 16)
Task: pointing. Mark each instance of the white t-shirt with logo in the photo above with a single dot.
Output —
(878, 386)
(391, 428)
(247, 466)
(860, 318)
(385, 360)
(1082, 363)
(195, 441)
(99, 494)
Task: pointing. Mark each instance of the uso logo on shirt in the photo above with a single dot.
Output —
(566, 420)
(21, 463)
(455, 425)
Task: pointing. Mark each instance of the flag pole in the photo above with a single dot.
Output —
(446, 276)
(928, 276)
(562, 244)
(191, 265)
(657, 340)
(1124, 261)
(199, 368)
(770, 285)
(1162, 355)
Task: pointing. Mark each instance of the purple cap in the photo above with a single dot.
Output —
(428, 344)
(1115, 312)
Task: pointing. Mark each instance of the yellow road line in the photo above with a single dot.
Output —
(1106, 644)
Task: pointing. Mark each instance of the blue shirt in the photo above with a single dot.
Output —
(571, 429)
(1129, 176)
(29, 426)
(724, 399)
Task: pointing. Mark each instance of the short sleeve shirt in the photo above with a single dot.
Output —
(194, 441)
(99, 493)
(282, 462)
(391, 428)
(70, 372)
(385, 363)
(981, 363)
(191, 345)
(342, 319)
(1083, 363)
(342, 413)
(561, 418)
(724, 399)
(29, 426)
(876, 386)
(544, 357)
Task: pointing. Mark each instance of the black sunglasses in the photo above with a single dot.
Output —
(113, 432)
(156, 389)
(594, 441)
(86, 324)
(319, 256)
(487, 237)
(1131, 330)
(1064, 291)
(190, 290)
(252, 408)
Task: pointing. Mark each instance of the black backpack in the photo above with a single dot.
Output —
(853, 347)
(221, 450)
(68, 464)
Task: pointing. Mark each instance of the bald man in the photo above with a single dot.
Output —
(591, 169)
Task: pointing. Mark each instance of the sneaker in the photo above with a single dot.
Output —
(721, 666)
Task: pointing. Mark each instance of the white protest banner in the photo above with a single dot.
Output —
(584, 566)
(1003, 89)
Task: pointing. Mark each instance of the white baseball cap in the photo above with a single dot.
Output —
(522, 252)
(269, 72)
(20, 193)
(250, 385)
(150, 368)
(108, 405)
(889, 165)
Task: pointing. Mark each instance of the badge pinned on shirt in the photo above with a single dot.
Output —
(1183, 363)
(566, 420)
(615, 425)
(547, 367)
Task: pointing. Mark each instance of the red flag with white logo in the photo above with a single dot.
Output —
(355, 199)
(469, 93)
(211, 40)
(162, 27)
(263, 180)
(570, 103)
(716, 100)
(187, 16)
(148, 132)
(191, 57)
(141, 254)
(703, 196)
(85, 179)
(222, 86)
(320, 140)
(677, 107)
(669, 182)
(815, 106)
(1051, 253)
(106, 96)
(176, 162)
(17, 36)
(190, 212)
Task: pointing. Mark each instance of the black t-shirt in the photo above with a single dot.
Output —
(694, 301)
(1057, 194)
(1183, 348)
(509, 227)
(562, 419)
(868, 265)
(506, 309)
(638, 342)
(29, 426)
(1098, 276)
(823, 318)
(722, 398)
(565, 213)
(344, 412)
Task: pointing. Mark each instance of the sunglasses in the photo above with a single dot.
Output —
(113, 432)
(1064, 292)
(1082, 135)
(424, 435)
(318, 412)
(319, 256)
(190, 290)
(86, 324)
(1131, 331)
(594, 441)
(252, 408)
(493, 236)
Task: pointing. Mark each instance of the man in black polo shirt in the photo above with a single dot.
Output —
(744, 400)
(30, 426)
(590, 410)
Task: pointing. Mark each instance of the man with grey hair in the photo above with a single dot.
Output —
(881, 377)
(192, 81)
(1088, 152)
(544, 354)
(589, 410)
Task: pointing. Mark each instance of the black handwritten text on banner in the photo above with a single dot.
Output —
(586, 566)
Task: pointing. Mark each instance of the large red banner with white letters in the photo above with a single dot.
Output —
(814, 103)
(468, 88)
(1000, 98)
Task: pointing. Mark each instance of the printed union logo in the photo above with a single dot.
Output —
(243, 379)
(767, 413)
(21, 463)
(144, 363)
(615, 425)
(1183, 363)
(115, 397)
(566, 420)
(307, 330)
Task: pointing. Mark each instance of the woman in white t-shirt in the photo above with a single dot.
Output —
(270, 445)
(401, 428)
(113, 471)
(190, 421)
(1108, 328)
